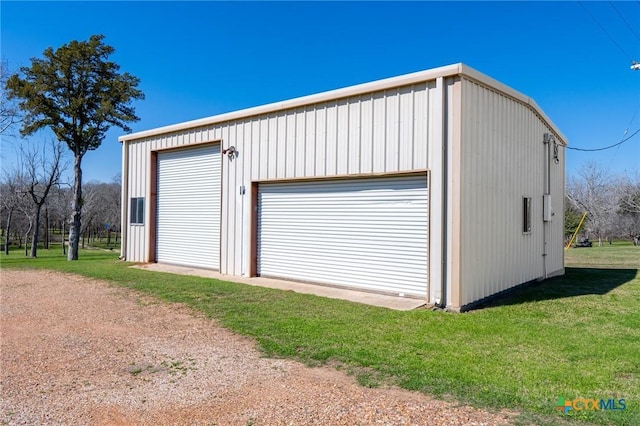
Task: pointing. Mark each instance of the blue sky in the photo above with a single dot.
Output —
(197, 59)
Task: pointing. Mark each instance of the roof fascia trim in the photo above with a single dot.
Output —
(359, 89)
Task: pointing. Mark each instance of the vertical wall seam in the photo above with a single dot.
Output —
(124, 202)
(386, 124)
(347, 132)
(373, 129)
(398, 124)
(335, 137)
(412, 117)
(360, 134)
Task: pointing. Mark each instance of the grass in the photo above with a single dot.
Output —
(620, 254)
(576, 336)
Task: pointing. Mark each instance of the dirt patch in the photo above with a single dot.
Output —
(78, 351)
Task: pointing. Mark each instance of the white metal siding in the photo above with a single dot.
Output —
(363, 233)
(503, 160)
(137, 180)
(301, 142)
(188, 209)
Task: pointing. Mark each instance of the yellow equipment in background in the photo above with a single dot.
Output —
(573, 237)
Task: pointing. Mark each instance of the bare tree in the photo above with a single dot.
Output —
(592, 191)
(629, 206)
(43, 171)
(113, 211)
(572, 217)
(60, 210)
(9, 111)
(9, 116)
(110, 213)
(90, 209)
(101, 209)
(27, 213)
(12, 201)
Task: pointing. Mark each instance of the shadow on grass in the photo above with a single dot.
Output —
(575, 282)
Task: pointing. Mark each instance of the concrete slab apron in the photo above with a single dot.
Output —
(385, 301)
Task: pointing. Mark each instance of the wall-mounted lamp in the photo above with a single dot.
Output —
(231, 152)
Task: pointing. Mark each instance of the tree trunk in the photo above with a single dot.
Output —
(36, 232)
(76, 210)
(6, 234)
(26, 239)
(64, 248)
(46, 227)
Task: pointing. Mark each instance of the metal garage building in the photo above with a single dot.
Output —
(444, 185)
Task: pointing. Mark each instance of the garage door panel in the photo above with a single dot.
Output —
(331, 248)
(403, 251)
(188, 207)
(374, 282)
(327, 265)
(361, 233)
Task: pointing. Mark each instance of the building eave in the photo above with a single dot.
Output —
(458, 69)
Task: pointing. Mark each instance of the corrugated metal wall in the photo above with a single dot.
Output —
(381, 132)
(502, 161)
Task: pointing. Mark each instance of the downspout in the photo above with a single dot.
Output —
(438, 158)
(124, 227)
(445, 193)
(547, 139)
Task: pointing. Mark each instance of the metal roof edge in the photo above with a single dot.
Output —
(545, 118)
(485, 79)
(359, 89)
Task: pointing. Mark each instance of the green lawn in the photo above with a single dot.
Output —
(620, 254)
(576, 336)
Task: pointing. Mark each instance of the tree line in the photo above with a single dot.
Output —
(611, 204)
(36, 203)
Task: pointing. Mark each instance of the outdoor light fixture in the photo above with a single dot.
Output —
(231, 152)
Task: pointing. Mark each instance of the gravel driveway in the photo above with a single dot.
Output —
(79, 351)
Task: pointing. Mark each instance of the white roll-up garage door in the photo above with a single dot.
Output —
(361, 233)
(188, 207)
